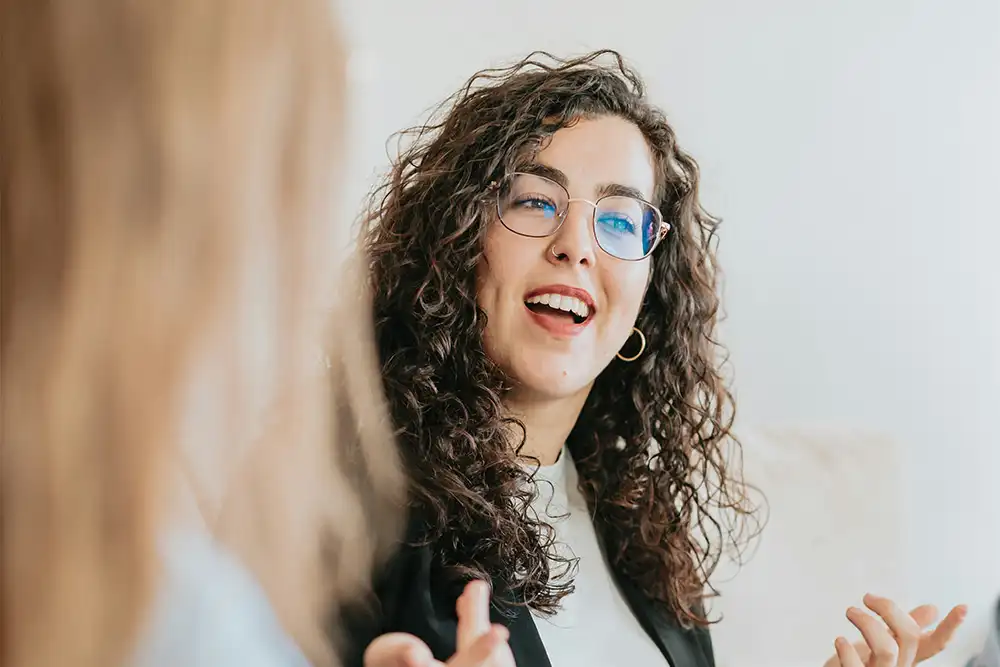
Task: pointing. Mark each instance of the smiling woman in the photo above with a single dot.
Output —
(545, 302)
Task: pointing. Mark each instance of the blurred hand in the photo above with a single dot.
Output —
(478, 643)
(898, 639)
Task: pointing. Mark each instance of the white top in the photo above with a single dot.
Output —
(594, 626)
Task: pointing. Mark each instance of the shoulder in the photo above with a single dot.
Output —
(704, 641)
(210, 610)
(408, 595)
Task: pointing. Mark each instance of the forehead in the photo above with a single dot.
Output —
(596, 152)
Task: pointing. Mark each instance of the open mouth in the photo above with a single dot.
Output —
(560, 306)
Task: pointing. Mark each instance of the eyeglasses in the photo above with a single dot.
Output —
(625, 227)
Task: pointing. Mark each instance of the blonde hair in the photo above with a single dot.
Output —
(169, 176)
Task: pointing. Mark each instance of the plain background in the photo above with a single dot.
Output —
(852, 149)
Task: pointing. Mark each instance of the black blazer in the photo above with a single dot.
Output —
(990, 657)
(412, 597)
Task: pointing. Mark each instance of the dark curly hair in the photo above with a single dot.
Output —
(650, 444)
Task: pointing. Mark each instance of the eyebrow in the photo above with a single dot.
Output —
(603, 190)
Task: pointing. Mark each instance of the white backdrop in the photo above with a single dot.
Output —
(853, 150)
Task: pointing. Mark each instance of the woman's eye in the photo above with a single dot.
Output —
(617, 223)
(546, 207)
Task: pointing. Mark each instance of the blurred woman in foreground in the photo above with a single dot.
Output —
(169, 250)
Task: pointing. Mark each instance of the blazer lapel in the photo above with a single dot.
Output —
(525, 643)
(678, 645)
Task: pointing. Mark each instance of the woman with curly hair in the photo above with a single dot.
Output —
(545, 301)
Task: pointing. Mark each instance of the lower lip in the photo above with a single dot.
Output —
(557, 325)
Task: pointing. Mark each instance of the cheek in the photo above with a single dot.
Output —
(489, 296)
(489, 276)
(502, 269)
(629, 285)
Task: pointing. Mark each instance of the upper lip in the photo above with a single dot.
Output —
(564, 290)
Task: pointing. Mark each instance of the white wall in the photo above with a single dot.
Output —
(853, 149)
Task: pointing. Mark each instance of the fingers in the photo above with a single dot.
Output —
(933, 643)
(482, 651)
(925, 615)
(473, 609)
(884, 650)
(901, 625)
(398, 649)
(901, 641)
(847, 656)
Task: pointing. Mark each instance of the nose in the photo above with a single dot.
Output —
(574, 243)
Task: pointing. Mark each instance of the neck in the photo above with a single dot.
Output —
(547, 423)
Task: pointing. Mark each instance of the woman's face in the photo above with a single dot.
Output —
(549, 352)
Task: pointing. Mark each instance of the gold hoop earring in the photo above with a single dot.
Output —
(642, 347)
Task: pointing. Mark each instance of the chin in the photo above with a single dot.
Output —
(550, 380)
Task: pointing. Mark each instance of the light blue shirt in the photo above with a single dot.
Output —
(211, 612)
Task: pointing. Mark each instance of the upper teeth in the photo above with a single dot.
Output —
(562, 302)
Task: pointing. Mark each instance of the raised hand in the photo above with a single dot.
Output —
(478, 643)
(894, 638)
(473, 609)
